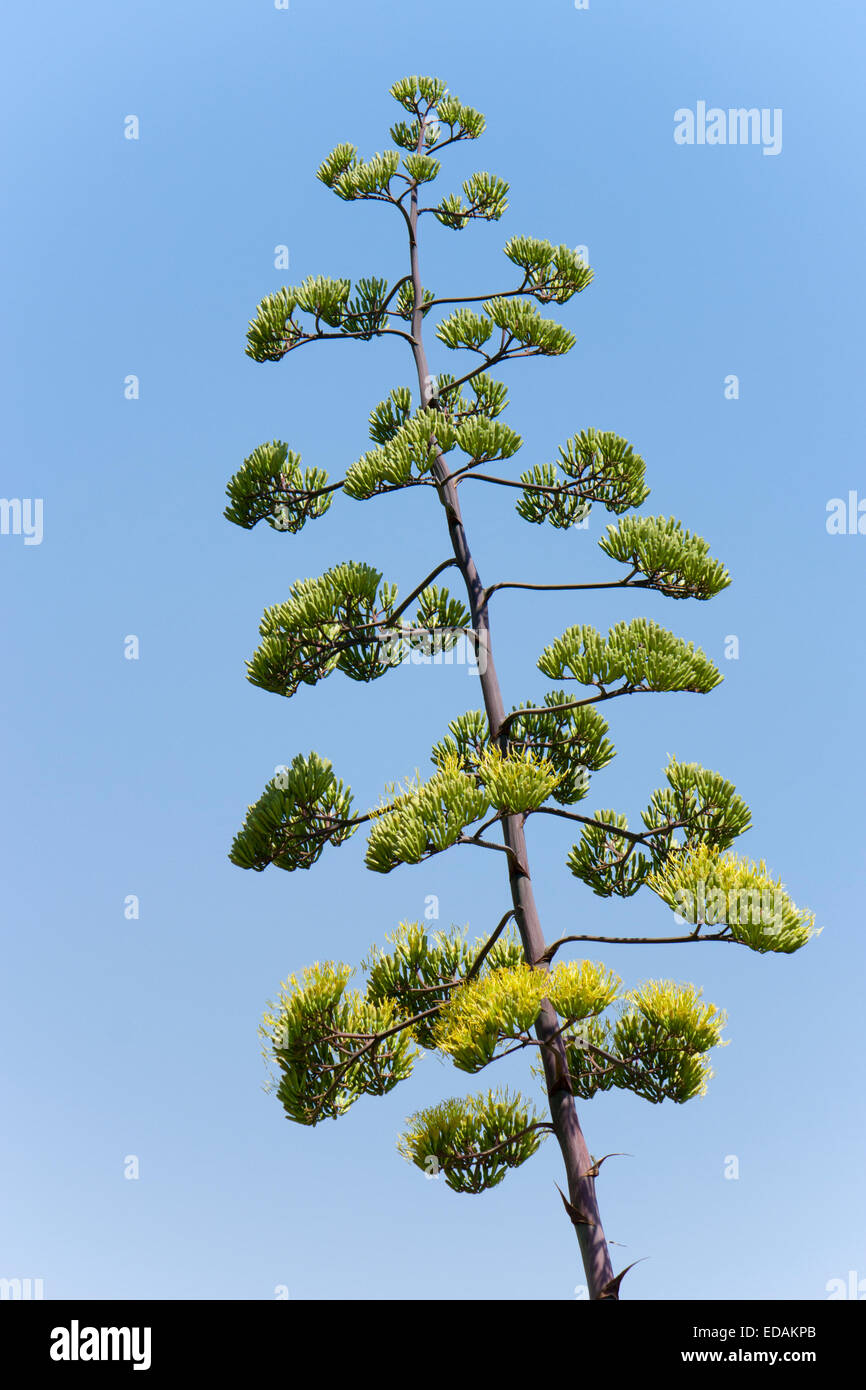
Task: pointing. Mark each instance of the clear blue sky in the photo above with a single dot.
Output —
(130, 777)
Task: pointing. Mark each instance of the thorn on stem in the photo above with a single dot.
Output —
(597, 1162)
(577, 1217)
(611, 1289)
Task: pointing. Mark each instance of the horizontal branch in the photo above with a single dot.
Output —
(487, 844)
(305, 494)
(641, 837)
(373, 333)
(468, 214)
(547, 956)
(550, 588)
(497, 1148)
(561, 490)
(573, 704)
(478, 298)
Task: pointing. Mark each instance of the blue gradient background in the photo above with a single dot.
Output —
(131, 777)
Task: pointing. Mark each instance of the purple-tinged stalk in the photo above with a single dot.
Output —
(579, 1164)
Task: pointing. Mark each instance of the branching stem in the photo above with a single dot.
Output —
(576, 1155)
